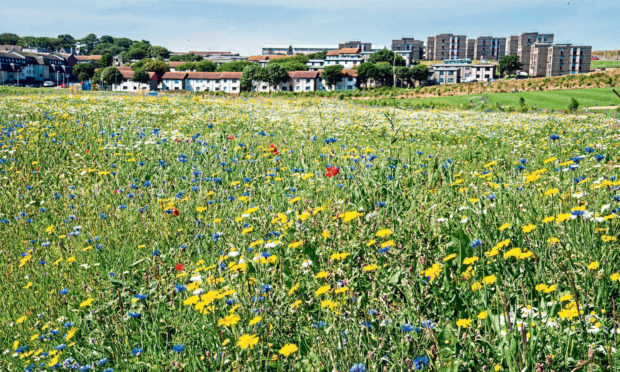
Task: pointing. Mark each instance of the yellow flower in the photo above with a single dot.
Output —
(321, 275)
(562, 217)
(50, 229)
(389, 243)
(87, 302)
(607, 238)
(548, 219)
(255, 320)
(449, 257)
(470, 260)
(371, 267)
(527, 228)
(21, 319)
(383, 233)
(247, 340)
(483, 315)
(294, 200)
(320, 291)
(70, 334)
(553, 240)
(326, 234)
(551, 192)
(488, 280)
(293, 289)
(464, 323)
(339, 256)
(288, 349)
(566, 297)
(614, 277)
(593, 265)
(350, 216)
(296, 304)
(229, 320)
(504, 226)
(476, 286)
(432, 272)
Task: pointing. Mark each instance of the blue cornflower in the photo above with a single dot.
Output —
(358, 367)
(136, 351)
(178, 348)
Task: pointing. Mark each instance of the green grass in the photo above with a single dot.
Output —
(551, 99)
(606, 64)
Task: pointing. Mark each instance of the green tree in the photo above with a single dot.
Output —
(234, 66)
(404, 75)
(139, 65)
(97, 76)
(111, 75)
(332, 75)
(158, 52)
(573, 105)
(365, 72)
(186, 66)
(420, 73)
(157, 66)
(89, 41)
(106, 60)
(508, 64)
(206, 66)
(185, 58)
(249, 74)
(106, 39)
(274, 75)
(294, 63)
(84, 71)
(318, 55)
(384, 75)
(387, 56)
(8, 39)
(141, 76)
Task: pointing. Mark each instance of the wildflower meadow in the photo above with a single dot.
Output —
(304, 234)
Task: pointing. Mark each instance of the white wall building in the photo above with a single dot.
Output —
(128, 85)
(228, 82)
(173, 81)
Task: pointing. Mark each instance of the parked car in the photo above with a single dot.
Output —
(49, 84)
(64, 86)
(594, 58)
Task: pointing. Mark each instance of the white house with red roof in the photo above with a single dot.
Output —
(173, 81)
(128, 85)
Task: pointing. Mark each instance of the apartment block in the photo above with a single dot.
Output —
(538, 59)
(512, 45)
(567, 59)
(525, 42)
(447, 46)
(409, 48)
(363, 46)
(489, 47)
(453, 73)
(471, 47)
(429, 53)
(409, 44)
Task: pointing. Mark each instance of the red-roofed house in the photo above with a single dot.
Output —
(173, 81)
(174, 65)
(85, 59)
(263, 60)
(304, 81)
(128, 85)
(347, 57)
(228, 82)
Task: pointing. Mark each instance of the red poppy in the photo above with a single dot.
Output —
(116, 191)
(231, 137)
(175, 212)
(274, 150)
(88, 151)
(332, 171)
(180, 267)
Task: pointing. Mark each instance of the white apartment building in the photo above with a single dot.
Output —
(128, 85)
(173, 81)
(347, 57)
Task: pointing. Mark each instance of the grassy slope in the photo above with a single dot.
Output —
(606, 64)
(552, 99)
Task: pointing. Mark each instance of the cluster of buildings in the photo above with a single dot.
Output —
(537, 53)
(230, 82)
(25, 66)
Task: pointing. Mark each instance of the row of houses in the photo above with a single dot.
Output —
(230, 82)
(25, 67)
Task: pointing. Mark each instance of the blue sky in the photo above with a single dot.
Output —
(246, 25)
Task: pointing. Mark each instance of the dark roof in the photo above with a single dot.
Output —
(303, 74)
